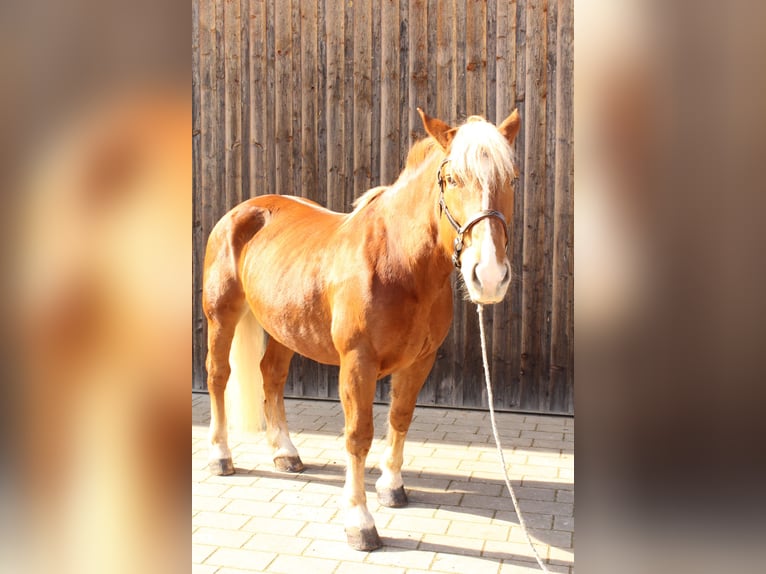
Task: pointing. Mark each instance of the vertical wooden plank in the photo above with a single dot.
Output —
(308, 39)
(362, 96)
(505, 60)
(431, 32)
(561, 374)
(348, 109)
(459, 55)
(389, 92)
(257, 111)
(418, 65)
(232, 103)
(405, 116)
(491, 61)
(221, 201)
(322, 372)
(334, 33)
(245, 99)
(549, 90)
(375, 81)
(198, 239)
(445, 62)
(518, 35)
(296, 89)
(534, 221)
(320, 92)
(283, 98)
(476, 58)
(208, 114)
(269, 111)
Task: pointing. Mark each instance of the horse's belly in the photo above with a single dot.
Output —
(293, 329)
(291, 308)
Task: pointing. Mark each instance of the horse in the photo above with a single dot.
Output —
(369, 291)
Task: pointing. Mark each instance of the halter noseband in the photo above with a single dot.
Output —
(466, 227)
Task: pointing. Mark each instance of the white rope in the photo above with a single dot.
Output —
(480, 309)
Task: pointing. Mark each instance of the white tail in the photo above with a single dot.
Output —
(244, 391)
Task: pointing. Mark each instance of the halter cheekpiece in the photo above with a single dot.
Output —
(463, 229)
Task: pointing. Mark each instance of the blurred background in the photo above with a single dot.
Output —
(96, 210)
(95, 166)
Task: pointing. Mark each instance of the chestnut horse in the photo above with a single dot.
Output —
(369, 291)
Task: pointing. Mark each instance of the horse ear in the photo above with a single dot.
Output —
(510, 126)
(437, 129)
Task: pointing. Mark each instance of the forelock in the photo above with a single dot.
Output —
(480, 153)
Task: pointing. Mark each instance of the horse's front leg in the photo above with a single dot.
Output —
(405, 386)
(357, 392)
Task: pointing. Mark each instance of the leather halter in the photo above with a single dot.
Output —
(466, 227)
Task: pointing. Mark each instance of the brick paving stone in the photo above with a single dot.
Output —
(478, 530)
(243, 559)
(448, 544)
(219, 520)
(563, 523)
(425, 525)
(285, 527)
(393, 556)
(253, 508)
(464, 564)
(252, 492)
(285, 564)
(208, 503)
(346, 568)
(532, 519)
(276, 542)
(519, 567)
(306, 513)
(333, 550)
(201, 551)
(220, 537)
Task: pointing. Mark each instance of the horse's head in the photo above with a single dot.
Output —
(476, 200)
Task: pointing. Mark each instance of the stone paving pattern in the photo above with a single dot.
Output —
(460, 518)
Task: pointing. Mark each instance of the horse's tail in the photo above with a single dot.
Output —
(244, 391)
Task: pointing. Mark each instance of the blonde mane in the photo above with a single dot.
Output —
(480, 153)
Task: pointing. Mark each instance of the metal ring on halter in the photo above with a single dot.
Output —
(463, 229)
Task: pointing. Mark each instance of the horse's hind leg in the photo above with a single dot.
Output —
(274, 367)
(220, 335)
(405, 386)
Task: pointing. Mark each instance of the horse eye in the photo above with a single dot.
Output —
(451, 181)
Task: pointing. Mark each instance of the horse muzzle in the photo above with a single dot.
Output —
(487, 282)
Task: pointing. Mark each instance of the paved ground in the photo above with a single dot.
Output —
(460, 519)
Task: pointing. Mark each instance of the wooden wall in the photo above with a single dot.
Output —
(317, 98)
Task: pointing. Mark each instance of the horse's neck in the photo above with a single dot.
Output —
(410, 212)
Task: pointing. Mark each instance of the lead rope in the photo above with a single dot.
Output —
(480, 309)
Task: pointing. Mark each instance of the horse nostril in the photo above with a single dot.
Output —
(475, 277)
(506, 275)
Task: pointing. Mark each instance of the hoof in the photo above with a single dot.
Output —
(221, 466)
(395, 498)
(289, 464)
(364, 540)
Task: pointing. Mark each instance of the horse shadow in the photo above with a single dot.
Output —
(480, 502)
